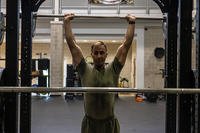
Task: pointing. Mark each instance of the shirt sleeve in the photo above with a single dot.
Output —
(117, 66)
(81, 67)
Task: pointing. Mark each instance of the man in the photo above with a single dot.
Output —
(99, 107)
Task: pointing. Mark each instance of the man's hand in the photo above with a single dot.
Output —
(130, 18)
(68, 17)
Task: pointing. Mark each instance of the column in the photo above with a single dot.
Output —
(57, 55)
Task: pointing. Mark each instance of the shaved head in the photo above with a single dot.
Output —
(98, 43)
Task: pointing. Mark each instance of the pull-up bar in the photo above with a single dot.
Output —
(95, 17)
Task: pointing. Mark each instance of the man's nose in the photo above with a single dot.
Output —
(98, 55)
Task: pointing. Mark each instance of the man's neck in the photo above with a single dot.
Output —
(99, 68)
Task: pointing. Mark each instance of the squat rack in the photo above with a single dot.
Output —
(177, 121)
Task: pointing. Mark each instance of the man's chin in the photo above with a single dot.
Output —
(99, 65)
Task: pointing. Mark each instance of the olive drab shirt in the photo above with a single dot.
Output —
(99, 105)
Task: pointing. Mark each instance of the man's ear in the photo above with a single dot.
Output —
(106, 54)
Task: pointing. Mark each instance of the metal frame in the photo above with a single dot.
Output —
(26, 54)
(185, 74)
(171, 64)
(11, 71)
(146, 6)
(197, 125)
(94, 17)
(162, 5)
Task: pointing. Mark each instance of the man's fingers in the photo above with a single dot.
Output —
(130, 17)
(69, 16)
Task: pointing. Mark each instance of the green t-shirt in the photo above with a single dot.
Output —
(99, 105)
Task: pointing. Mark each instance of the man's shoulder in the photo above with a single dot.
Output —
(83, 67)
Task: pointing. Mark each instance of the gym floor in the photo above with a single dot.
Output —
(56, 115)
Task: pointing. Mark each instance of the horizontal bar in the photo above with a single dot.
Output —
(100, 90)
(95, 17)
(76, 16)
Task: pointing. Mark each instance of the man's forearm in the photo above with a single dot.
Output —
(130, 34)
(68, 33)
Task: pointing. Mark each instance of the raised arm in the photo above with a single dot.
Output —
(73, 47)
(124, 47)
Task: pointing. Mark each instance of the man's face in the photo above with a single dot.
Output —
(99, 54)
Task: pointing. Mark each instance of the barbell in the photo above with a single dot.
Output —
(99, 90)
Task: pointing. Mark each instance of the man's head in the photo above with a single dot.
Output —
(99, 54)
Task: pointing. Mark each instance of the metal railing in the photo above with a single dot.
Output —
(99, 90)
(146, 5)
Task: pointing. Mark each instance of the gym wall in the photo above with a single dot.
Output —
(152, 65)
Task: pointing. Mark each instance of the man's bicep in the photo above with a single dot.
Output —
(122, 54)
(75, 51)
(81, 67)
(77, 55)
(117, 66)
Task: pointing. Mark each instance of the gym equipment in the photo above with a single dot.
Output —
(101, 89)
(95, 16)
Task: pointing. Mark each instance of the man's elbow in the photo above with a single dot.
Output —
(69, 37)
(129, 41)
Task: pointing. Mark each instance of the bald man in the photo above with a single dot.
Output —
(99, 107)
